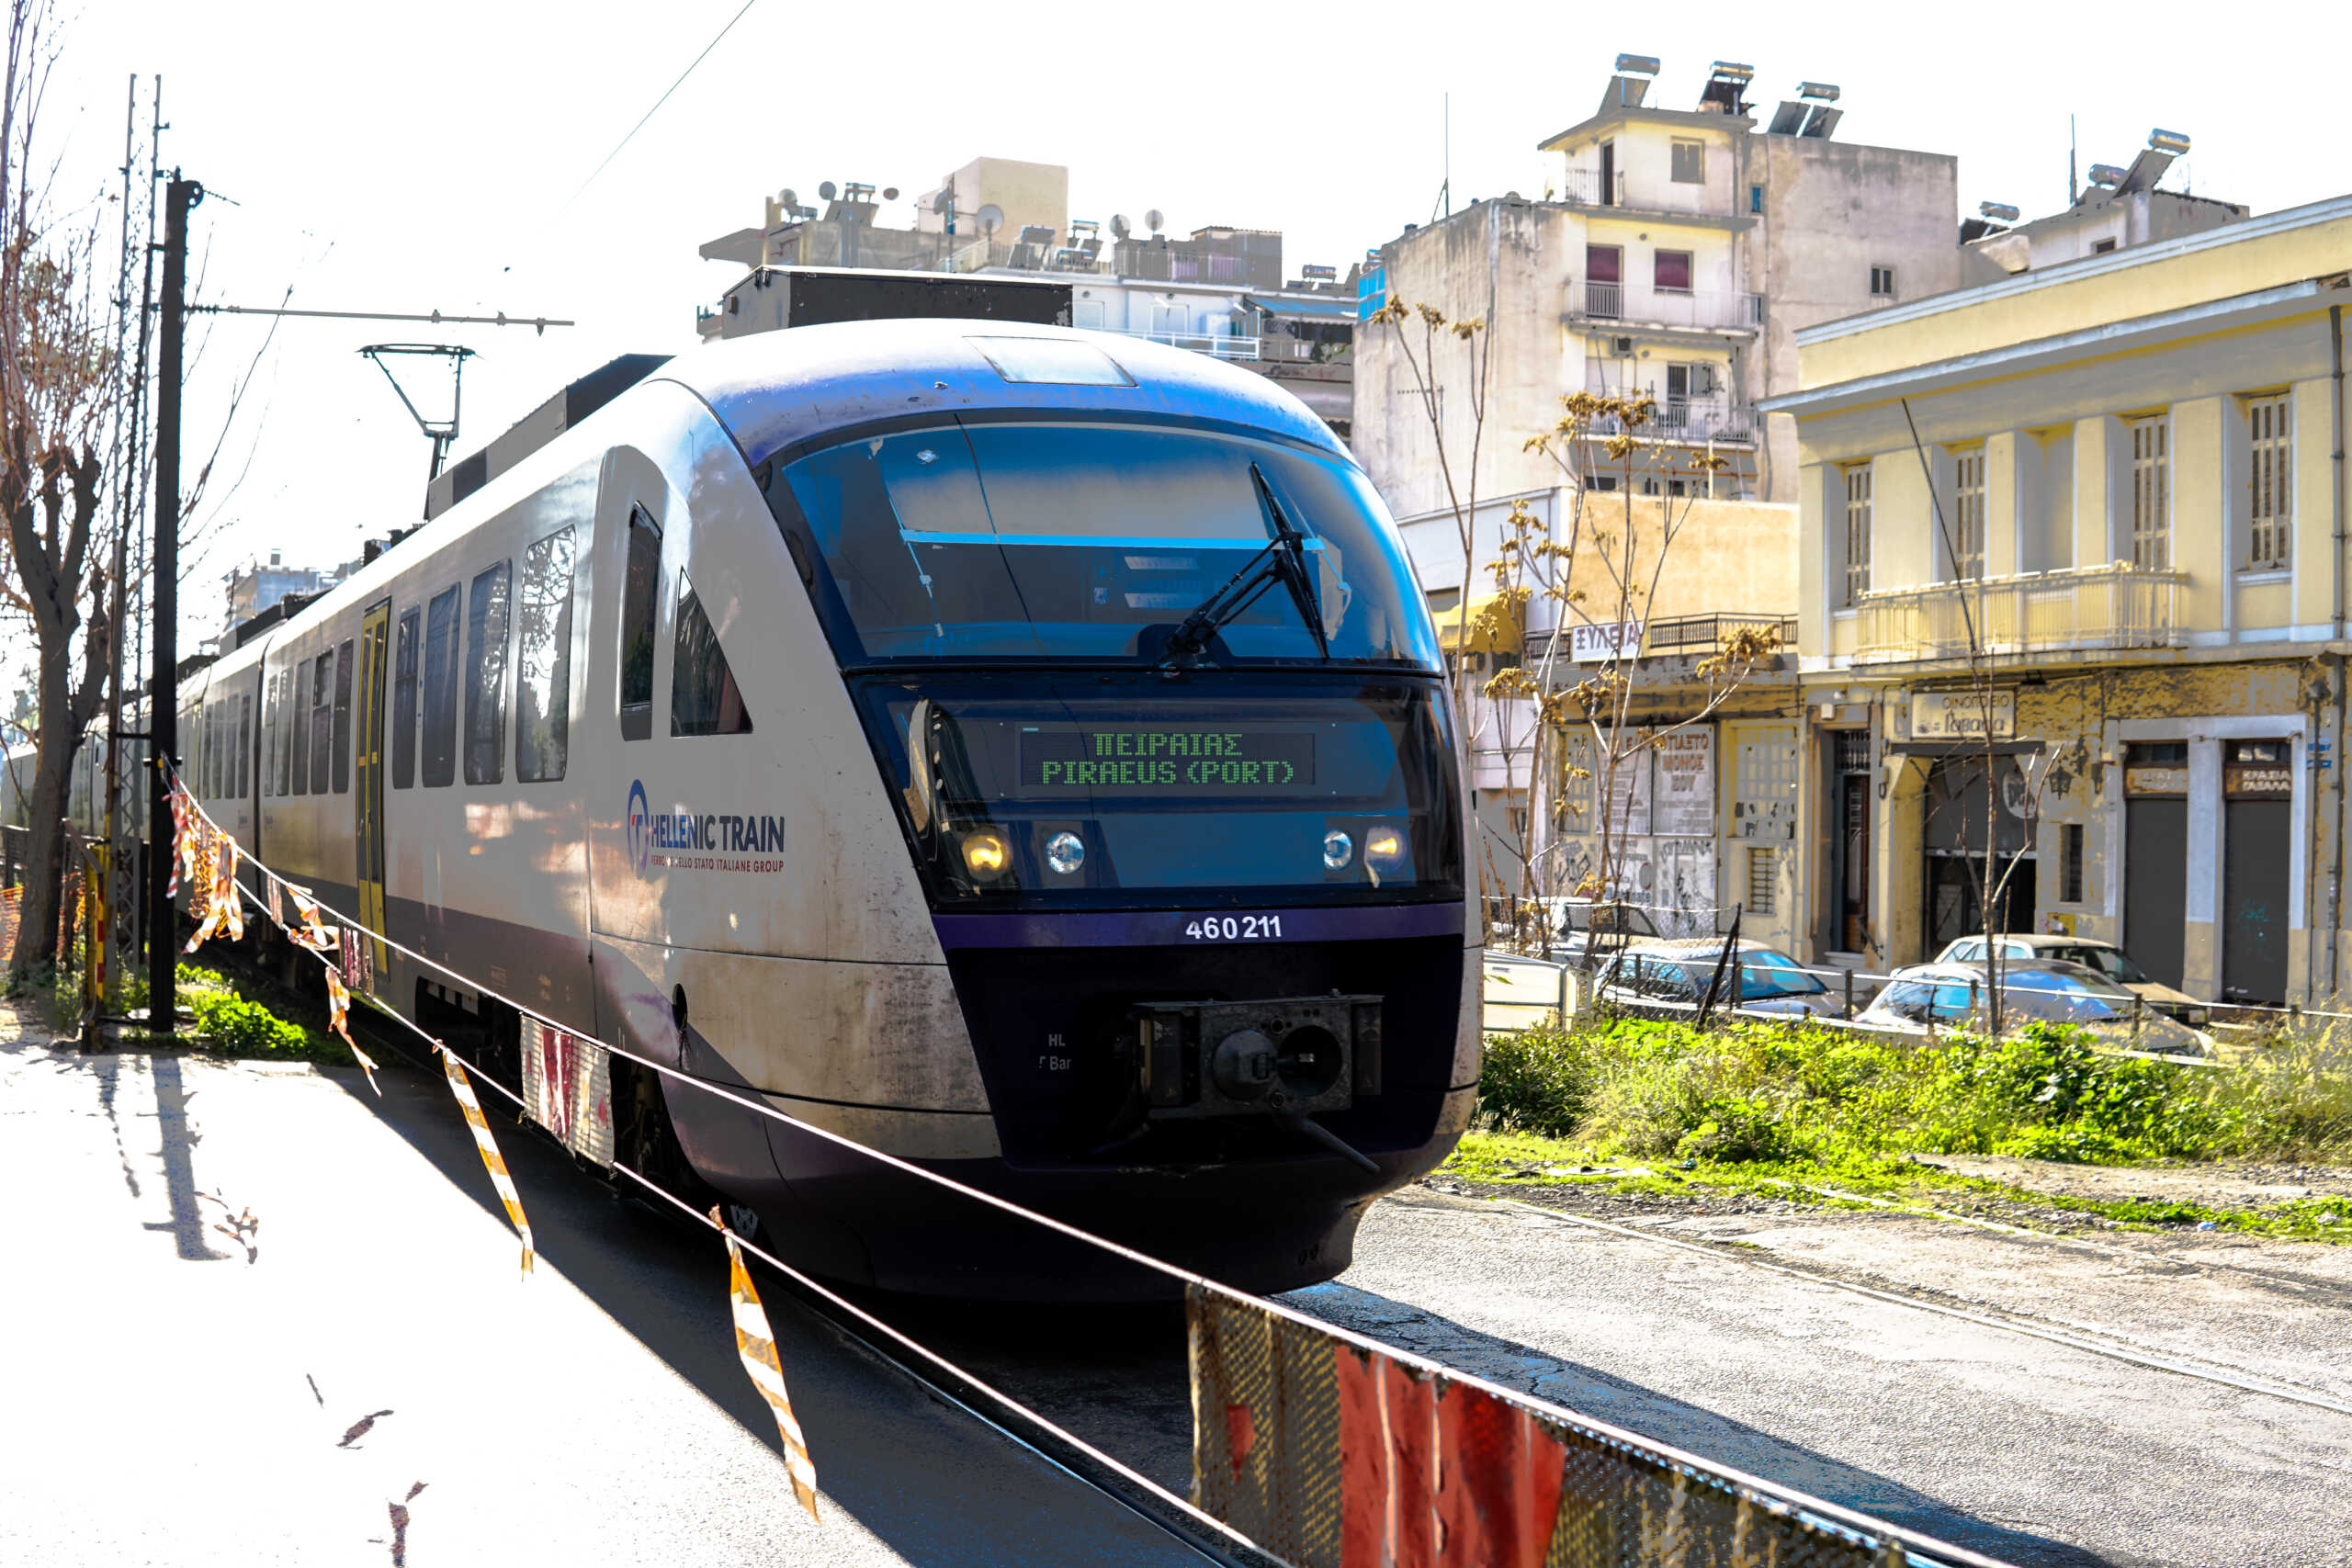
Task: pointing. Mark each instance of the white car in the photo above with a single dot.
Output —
(2105, 957)
(1925, 997)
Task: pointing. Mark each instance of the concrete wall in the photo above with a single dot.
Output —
(1832, 211)
(1504, 261)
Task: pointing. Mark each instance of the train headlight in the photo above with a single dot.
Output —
(1338, 850)
(986, 854)
(1064, 852)
(1383, 849)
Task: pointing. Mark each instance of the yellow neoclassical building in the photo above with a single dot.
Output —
(2077, 539)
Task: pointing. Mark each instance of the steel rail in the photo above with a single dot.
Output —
(2081, 1339)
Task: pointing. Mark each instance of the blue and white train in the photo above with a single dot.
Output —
(1023, 752)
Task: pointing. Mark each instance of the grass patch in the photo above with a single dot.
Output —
(1644, 1105)
(229, 1024)
(1520, 1159)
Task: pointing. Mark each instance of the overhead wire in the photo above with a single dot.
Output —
(657, 105)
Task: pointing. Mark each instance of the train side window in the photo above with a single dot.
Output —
(441, 690)
(268, 732)
(703, 699)
(404, 702)
(486, 613)
(298, 729)
(245, 744)
(279, 724)
(322, 722)
(543, 663)
(343, 718)
(638, 598)
(204, 755)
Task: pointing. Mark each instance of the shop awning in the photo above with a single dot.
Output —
(1493, 622)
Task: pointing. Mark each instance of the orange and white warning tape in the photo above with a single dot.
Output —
(755, 1342)
(462, 1086)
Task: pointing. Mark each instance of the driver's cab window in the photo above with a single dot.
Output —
(640, 598)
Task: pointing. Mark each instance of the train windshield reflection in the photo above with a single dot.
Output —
(1087, 542)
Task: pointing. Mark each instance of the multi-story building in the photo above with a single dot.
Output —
(1221, 290)
(2075, 566)
(261, 585)
(1677, 254)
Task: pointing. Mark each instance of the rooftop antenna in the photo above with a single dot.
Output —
(441, 433)
(2072, 191)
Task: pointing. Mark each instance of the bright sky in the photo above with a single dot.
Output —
(427, 155)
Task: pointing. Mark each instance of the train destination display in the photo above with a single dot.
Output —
(1162, 758)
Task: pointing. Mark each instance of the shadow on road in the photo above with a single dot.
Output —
(929, 1482)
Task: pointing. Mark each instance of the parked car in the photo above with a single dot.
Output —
(1522, 990)
(2103, 956)
(1954, 996)
(1676, 973)
(1576, 920)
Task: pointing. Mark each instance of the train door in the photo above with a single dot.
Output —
(369, 799)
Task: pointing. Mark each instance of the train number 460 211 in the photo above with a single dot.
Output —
(1234, 928)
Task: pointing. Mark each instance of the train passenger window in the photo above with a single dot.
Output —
(322, 722)
(486, 611)
(703, 695)
(298, 729)
(441, 690)
(637, 600)
(279, 741)
(404, 702)
(268, 733)
(245, 744)
(542, 660)
(204, 755)
(343, 718)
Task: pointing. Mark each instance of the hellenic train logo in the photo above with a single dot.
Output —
(641, 840)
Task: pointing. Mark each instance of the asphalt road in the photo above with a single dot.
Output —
(2015, 1447)
(169, 1401)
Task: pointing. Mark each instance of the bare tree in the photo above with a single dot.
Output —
(58, 383)
(1430, 390)
(1603, 576)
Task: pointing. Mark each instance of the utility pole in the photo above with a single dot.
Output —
(162, 707)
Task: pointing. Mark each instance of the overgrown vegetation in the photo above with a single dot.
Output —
(1762, 1093)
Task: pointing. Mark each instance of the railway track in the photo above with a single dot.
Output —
(2094, 1339)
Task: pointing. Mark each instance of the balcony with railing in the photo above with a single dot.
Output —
(1636, 305)
(1585, 188)
(2070, 610)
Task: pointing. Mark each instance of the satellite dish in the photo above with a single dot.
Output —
(1120, 227)
(1154, 221)
(991, 218)
(827, 191)
(889, 193)
(944, 204)
(791, 199)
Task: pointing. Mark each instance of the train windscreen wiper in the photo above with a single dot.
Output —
(1283, 560)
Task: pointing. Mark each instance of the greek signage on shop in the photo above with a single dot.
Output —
(1620, 640)
(1963, 715)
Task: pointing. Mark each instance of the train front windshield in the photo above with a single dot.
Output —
(997, 542)
(1001, 597)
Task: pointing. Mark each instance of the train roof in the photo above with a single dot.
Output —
(776, 392)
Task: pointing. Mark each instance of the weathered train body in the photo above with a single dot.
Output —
(850, 715)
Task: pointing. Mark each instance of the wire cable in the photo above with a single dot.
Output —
(657, 105)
